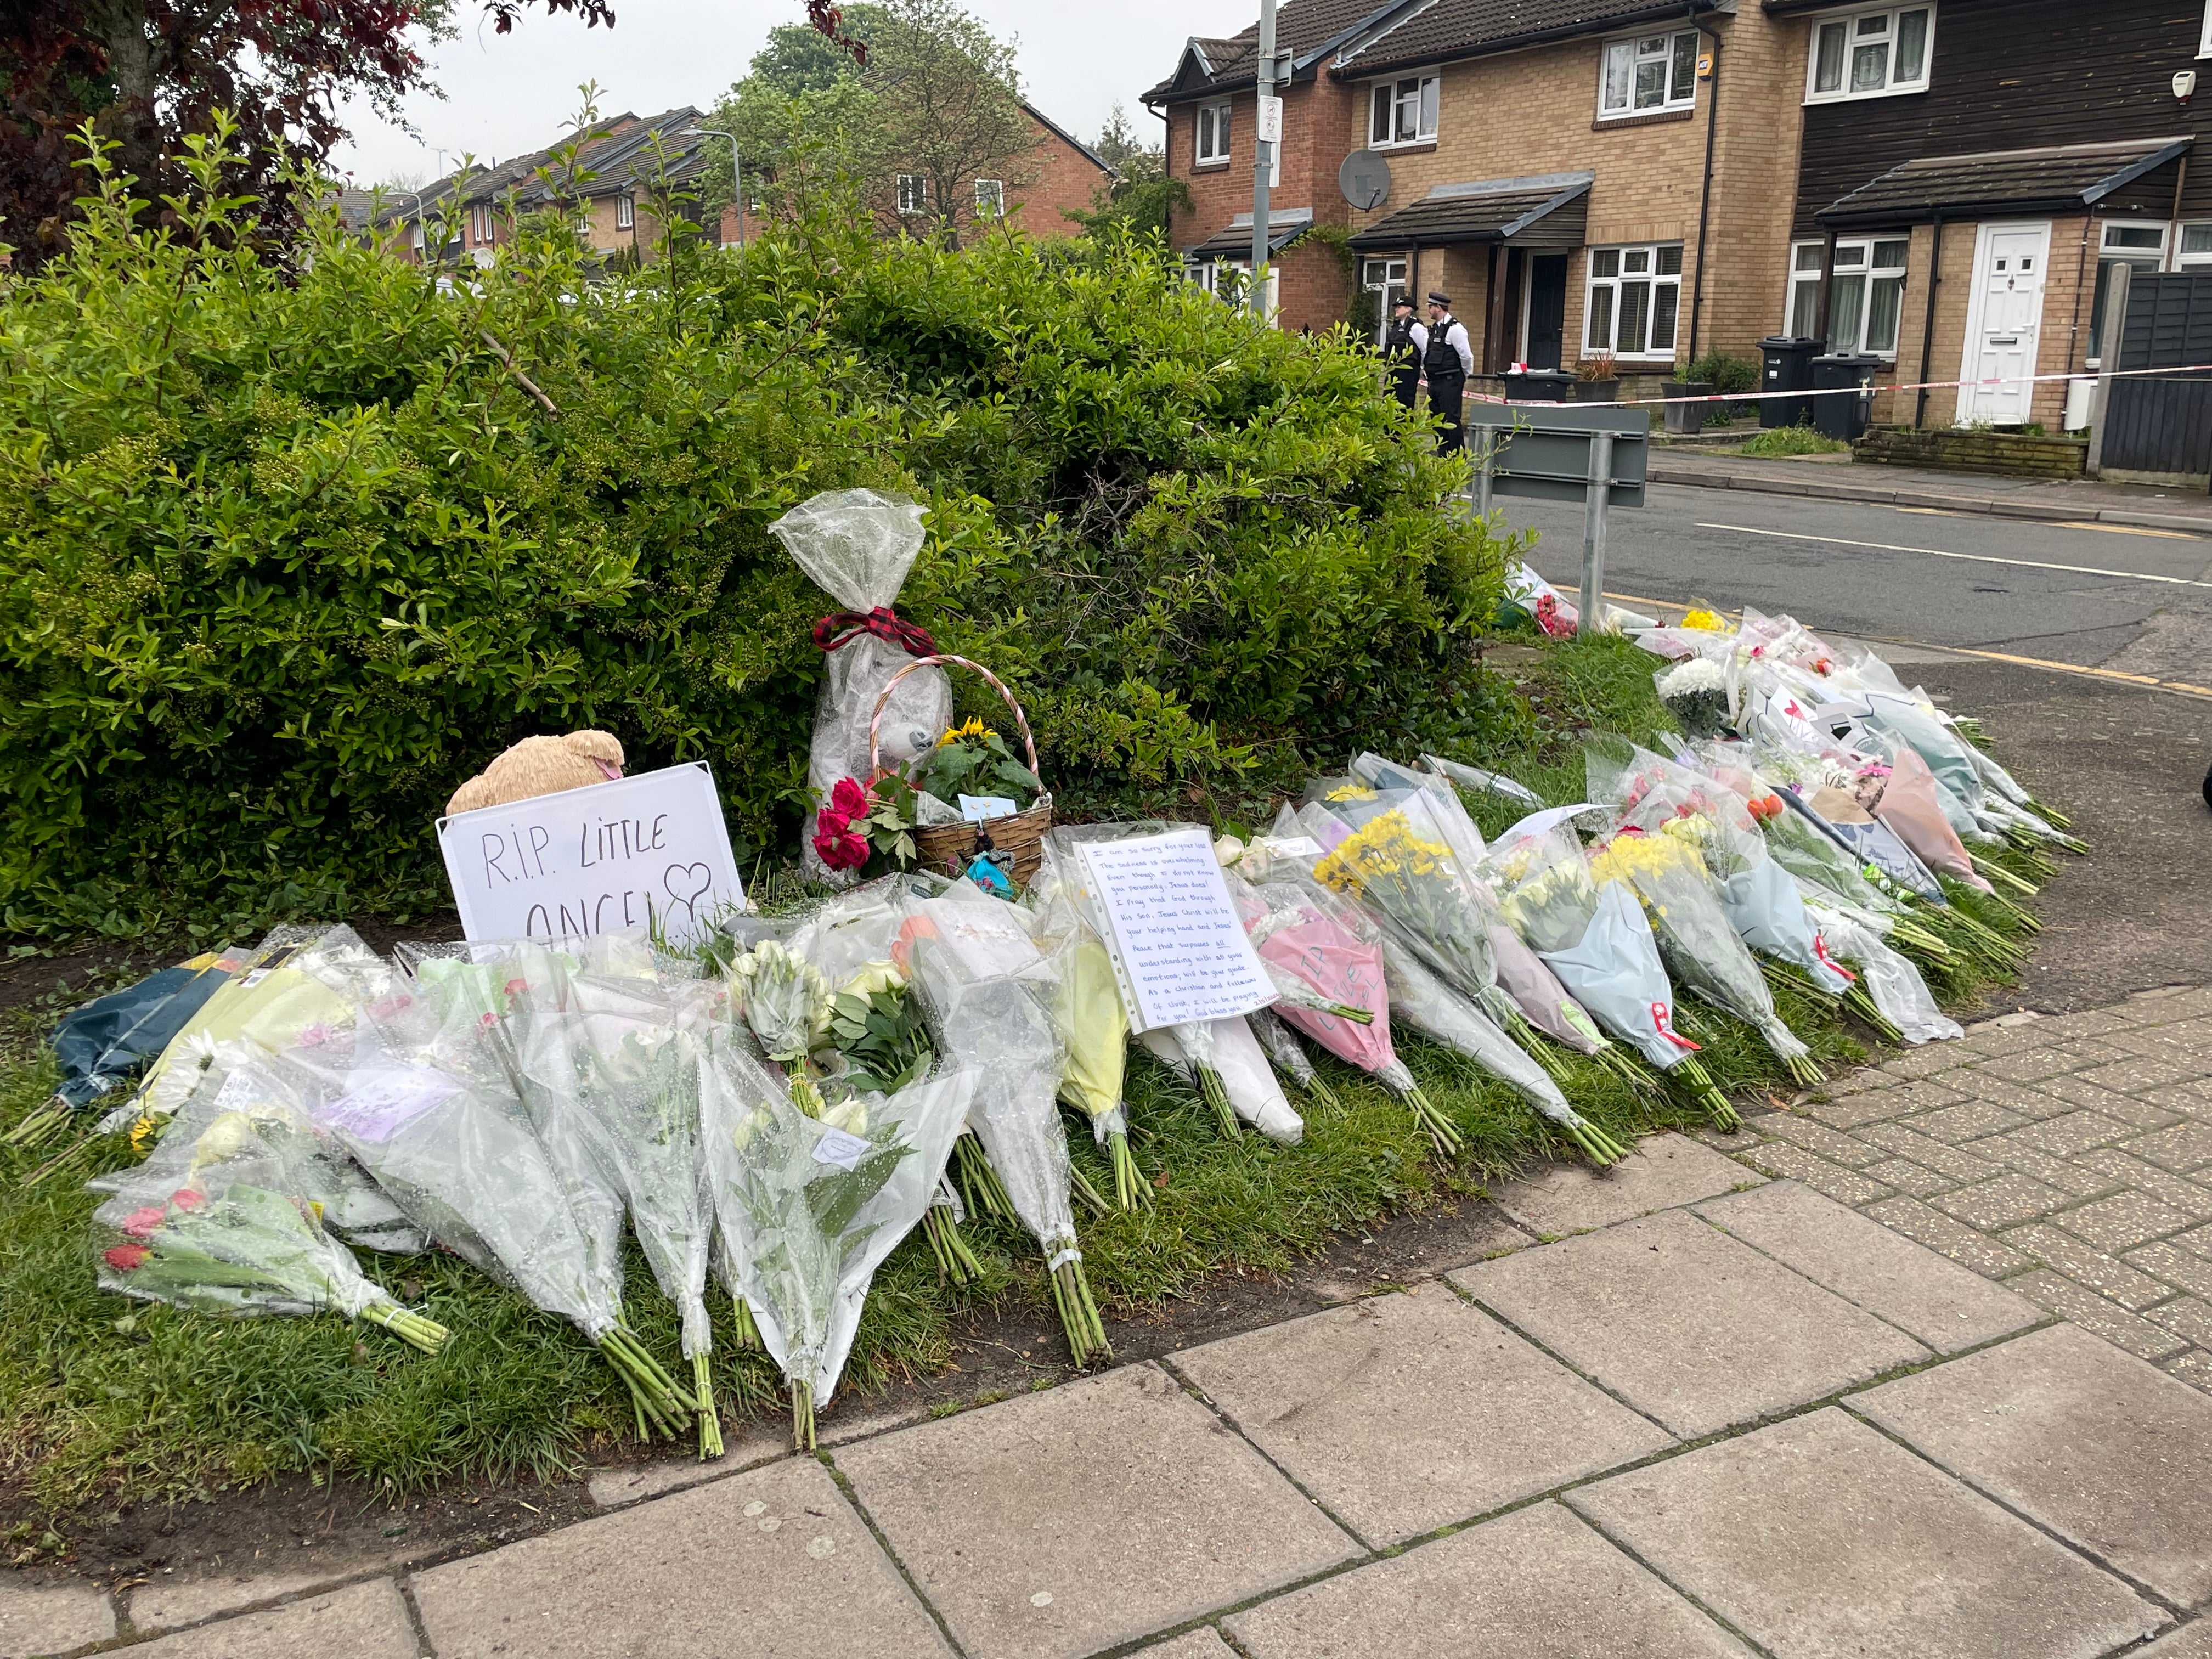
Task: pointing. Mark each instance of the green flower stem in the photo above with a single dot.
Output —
(980, 1185)
(1600, 1148)
(748, 1333)
(2050, 815)
(1345, 1011)
(710, 1415)
(1698, 1083)
(1217, 1096)
(1998, 875)
(802, 1416)
(425, 1334)
(1131, 1190)
(954, 1259)
(1079, 1185)
(1441, 1129)
(660, 1403)
(1321, 1095)
(1078, 1313)
(1629, 1068)
(1540, 1050)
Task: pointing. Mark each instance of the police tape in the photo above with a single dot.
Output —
(1860, 389)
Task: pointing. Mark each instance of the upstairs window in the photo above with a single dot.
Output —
(480, 225)
(913, 193)
(1649, 74)
(1213, 145)
(625, 212)
(1870, 54)
(990, 198)
(1403, 111)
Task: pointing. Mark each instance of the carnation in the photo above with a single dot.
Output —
(1696, 674)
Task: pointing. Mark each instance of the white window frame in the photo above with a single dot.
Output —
(1392, 100)
(1625, 275)
(913, 193)
(480, 225)
(1632, 46)
(2204, 39)
(419, 240)
(1389, 275)
(625, 211)
(2188, 258)
(1855, 257)
(1209, 134)
(1850, 22)
(2143, 258)
(990, 198)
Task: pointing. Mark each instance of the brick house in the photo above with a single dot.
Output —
(1064, 175)
(2021, 150)
(1589, 179)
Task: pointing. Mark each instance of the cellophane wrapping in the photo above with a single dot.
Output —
(858, 546)
(1228, 1047)
(1895, 983)
(812, 1209)
(1093, 1026)
(1432, 1007)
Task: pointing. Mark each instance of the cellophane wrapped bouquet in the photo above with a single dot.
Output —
(1666, 871)
(430, 1102)
(990, 997)
(233, 1228)
(810, 1207)
(1314, 937)
(858, 546)
(1094, 1025)
(1598, 941)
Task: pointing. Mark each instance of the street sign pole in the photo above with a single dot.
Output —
(1594, 505)
(1263, 156)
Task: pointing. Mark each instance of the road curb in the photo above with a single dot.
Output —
(1996, 506)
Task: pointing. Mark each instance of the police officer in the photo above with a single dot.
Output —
(1447, 359)
(1402, 346)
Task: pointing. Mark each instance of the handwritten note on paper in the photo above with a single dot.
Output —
(648, 851)
(1181, 953)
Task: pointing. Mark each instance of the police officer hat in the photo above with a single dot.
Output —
(1404, 299)
(1437, 297)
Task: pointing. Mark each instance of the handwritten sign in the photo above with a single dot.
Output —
(650, 851)
(1181, 954)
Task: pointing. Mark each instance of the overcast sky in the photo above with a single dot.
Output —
(507, 94)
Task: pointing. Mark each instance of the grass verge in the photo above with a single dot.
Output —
(105, 1400)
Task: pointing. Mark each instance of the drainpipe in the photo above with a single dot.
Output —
(1927, 324)
(1705, 195)
(1827, 287)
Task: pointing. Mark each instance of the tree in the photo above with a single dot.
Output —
(914, 88)
(146, 74)
(1140, 196)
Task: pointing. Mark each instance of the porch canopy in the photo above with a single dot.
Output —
(2061, 179)
(1234, 242)
(1541, 210)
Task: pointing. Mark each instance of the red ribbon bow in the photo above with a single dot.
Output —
(843, 627)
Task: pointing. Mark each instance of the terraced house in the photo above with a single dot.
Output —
(1597, 184)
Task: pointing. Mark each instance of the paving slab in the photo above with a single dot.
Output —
(1196, 1644)
(2189, 1642)
(1537, 1582)
(2122, 1220)
(1819, 1539)
(2102, 1449)
(760, 1442)
(1404, 1413)
(773, 1562)
(2093, 1312)
(1946, 1306)
(1687, 1324)
(362, 1622)
(52, 1618)
(166, 1603)
(1667, 1169)
(1088, 1516)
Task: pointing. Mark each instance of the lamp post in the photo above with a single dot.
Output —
(736, 175)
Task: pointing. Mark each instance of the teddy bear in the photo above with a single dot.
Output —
(542, 766)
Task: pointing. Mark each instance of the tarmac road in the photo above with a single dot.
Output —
(2138, 601)
(2126, 760)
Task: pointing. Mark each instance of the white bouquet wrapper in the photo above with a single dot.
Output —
(1895, 983)
(858, 546)
(1229, 1047)
(812, 1208)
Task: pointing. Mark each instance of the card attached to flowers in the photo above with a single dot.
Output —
(1181, 954)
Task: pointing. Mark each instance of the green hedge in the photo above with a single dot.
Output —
(290, 547)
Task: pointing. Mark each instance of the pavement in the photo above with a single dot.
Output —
(1914, 1367)
(1837, 478)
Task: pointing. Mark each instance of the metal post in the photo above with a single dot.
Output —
(736, 175)
(1594, 505)
(1487, 474)
(1263, 156)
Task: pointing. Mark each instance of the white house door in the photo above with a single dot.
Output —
(2005, 324)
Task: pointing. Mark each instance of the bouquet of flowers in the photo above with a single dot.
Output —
(1317, 938)
(1699, 946)
(1284, 1053)
(228, 1231)
(989, 995)
(1898, 993)
(1695, 692)
(1230, 1054)
(1094, 1025)
(1600, 945)
(429, 1105)
(810, 1205)
(786, 998)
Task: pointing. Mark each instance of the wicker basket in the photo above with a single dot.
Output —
(948, 849)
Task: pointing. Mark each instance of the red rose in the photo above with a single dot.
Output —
(848, 801)
(837, 846)
(185, 1197)
(126, 1258)
(142, 1224)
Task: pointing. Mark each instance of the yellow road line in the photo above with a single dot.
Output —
(2130, 530)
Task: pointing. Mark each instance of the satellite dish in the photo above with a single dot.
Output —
(1364, 179)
